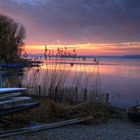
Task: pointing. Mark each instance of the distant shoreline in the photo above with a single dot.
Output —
(90, 56)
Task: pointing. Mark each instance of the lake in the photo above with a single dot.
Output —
(118, 77)
(121, 79)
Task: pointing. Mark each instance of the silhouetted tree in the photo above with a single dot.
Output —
(12, 35)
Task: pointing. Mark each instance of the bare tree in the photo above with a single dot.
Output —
(12, 35)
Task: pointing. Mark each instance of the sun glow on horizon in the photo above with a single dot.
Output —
(89, 48)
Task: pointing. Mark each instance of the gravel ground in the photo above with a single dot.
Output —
(113, 129)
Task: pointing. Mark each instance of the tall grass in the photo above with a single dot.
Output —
(76, 82)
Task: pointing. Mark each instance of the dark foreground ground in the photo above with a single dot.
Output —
(113, 129)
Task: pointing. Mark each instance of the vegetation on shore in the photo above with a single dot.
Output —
(54, 111)
(12, 35)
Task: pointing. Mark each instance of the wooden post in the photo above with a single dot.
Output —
(39, 91)
(85, 95)
(55, 92)
(107, 98)
(20, 85)
(76, 92)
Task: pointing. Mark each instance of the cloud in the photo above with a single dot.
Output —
(77, 21)
(30, 2)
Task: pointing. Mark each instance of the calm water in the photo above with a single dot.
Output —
(121, 79)
(118, 77)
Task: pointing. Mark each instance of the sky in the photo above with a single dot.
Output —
(93, 27)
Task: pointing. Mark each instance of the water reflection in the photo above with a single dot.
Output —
(119, 77)
(11, 77)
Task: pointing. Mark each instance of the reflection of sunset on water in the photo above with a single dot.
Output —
(89, 66)
(119, 77)
(72, 68)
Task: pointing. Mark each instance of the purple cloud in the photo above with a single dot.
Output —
(78, 21)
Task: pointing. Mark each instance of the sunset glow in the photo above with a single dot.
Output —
(100, 27)
(91, 49)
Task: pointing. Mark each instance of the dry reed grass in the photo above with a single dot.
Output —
(97, 111)
(73, 83)
(53, 111)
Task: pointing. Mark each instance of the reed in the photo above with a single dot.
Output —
(65, 81)
(98, 112)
